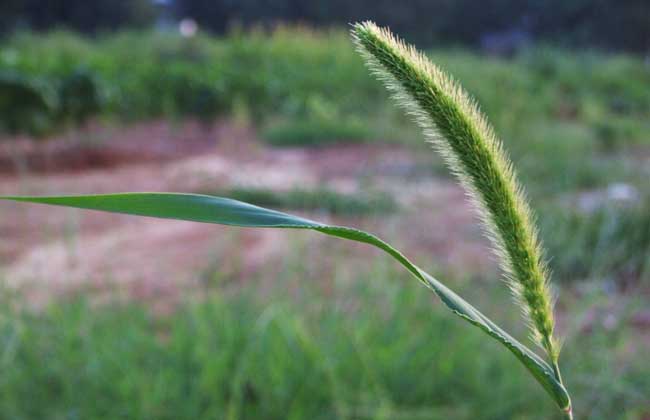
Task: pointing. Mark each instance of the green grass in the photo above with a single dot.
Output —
(608, 245)
(316, 132)
(322, 200)
(364, 346)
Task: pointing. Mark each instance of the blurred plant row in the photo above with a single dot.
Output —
(131, 76)
(297, 83)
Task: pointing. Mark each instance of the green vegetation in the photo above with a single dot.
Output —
(292, 73)
(22, 106)
(610, 243)
(225, 211)
(456, 127)
(573, 122)
(306, 86)
(320, 200)
(450, 119)
(368, 345)
(316, 132)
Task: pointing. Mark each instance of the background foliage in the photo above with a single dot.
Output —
(623, 25)
(239, 355)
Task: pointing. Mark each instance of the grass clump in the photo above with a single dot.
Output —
(322, 200)
(610, 244)
(304, 354)
(24, 108)
(316, 132)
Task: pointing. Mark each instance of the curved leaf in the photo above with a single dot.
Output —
(225, 211)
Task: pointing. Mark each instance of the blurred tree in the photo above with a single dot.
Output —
(23, 106)
(82, 15)
(617, 24)
(78, 97)
(11, 14)
(623, 24)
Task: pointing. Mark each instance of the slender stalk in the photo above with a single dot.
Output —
(568, 411)
(568, 414)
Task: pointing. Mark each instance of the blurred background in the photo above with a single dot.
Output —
(107, 316)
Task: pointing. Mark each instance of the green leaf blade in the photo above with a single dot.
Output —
(225, 211)
(190, 207)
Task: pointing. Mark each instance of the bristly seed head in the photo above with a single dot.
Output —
(453, 123)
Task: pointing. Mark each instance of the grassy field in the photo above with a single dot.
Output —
(367, 343)
(334, 338)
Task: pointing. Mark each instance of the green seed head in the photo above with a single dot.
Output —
(453, 123)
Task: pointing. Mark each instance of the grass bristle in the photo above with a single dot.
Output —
(455, 126)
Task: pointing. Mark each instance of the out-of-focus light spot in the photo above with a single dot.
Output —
(188, 27)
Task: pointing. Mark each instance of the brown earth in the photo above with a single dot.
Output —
(47, 251)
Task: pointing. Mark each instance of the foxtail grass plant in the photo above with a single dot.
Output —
(452, 122)
(454, 125)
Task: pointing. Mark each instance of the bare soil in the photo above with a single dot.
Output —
(47, 252)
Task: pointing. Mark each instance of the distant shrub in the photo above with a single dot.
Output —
(316, 132)
(23, 108)
(321, 199)
(188, 96)
(274, 78)
(79, 97)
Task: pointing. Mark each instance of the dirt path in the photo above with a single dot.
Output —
(47, 251)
